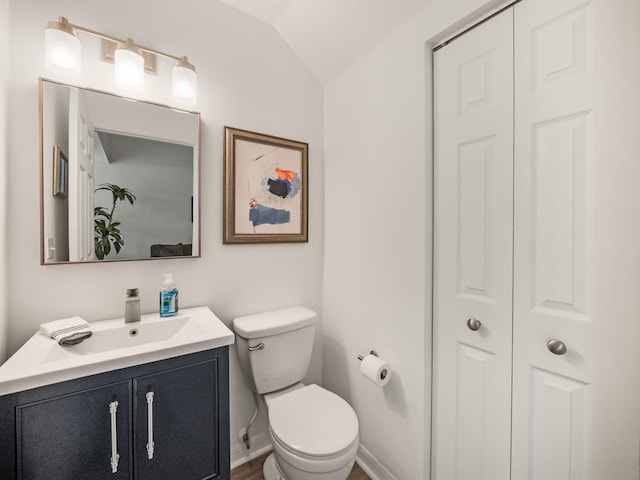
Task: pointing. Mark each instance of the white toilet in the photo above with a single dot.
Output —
(314, 432)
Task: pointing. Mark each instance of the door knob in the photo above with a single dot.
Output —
(474, 324)
(556, 347)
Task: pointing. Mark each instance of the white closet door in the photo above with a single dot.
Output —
(576, 416)
(473, 253)
(553, 172)
(554, 165)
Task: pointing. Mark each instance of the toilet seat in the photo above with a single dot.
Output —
(313, 423)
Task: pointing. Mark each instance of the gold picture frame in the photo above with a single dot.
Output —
(265, 188)
(60, 173)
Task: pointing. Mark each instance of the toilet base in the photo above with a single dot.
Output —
(269, 469)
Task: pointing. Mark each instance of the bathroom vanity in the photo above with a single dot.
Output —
(167, 418)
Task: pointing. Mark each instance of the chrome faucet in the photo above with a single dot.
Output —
(132, 306)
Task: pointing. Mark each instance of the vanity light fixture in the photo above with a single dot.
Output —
(129, 67)
(184, 82)
(62, 48)
(62, 55)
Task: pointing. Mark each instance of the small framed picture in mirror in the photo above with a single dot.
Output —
(60, 173)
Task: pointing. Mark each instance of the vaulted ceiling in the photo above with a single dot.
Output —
(329, 35)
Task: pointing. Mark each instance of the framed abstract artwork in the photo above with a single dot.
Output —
(265, 188)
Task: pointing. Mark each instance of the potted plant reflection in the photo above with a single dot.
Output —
(107, 231)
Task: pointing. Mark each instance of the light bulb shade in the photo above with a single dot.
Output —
(62, 49)
(184, 87)
(129, 67)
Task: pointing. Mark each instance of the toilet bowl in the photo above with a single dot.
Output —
(314, 432)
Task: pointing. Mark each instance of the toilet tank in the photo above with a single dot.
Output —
(275, 347)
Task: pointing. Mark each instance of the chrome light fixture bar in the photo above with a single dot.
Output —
(62, 55)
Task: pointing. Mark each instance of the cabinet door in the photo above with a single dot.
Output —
(181, 417)
(473, 218)
(70, 436)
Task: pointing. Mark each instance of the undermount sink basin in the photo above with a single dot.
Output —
(114, 344)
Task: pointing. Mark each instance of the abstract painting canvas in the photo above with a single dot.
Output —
(265, 188)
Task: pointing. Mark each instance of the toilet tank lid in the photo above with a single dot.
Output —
(274, 322)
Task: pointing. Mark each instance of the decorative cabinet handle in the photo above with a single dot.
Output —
(474, 324)
(556, 347)
(260, 346)
(150, 444)
(113, 408)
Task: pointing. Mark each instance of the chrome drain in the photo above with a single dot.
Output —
(133, 332)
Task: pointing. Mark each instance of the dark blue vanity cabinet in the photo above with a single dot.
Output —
(162, 420)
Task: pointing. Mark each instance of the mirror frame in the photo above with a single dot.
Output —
(197, 170)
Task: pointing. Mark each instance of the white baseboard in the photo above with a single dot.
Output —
(260, 445)
(372, 466)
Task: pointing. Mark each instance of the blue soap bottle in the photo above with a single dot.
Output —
(168, 297)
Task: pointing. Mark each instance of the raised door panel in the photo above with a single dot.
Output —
(473, 253)
(553, 174)
(70, 436)
(182, 421)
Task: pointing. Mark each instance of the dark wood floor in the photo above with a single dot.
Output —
(252, 470)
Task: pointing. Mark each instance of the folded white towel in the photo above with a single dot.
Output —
(67, 331)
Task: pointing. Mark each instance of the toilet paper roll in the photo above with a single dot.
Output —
(376, 370)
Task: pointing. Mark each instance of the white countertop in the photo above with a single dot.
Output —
(41, 361)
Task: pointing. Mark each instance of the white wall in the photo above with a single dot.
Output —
(248, 78)
(377, 280)
(4, 155)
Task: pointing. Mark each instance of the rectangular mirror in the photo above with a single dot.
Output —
(119, 178)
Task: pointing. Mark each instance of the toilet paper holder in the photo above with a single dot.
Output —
(372, 352)
(379, 373)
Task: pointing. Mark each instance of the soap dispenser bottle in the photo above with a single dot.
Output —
(168, 297)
